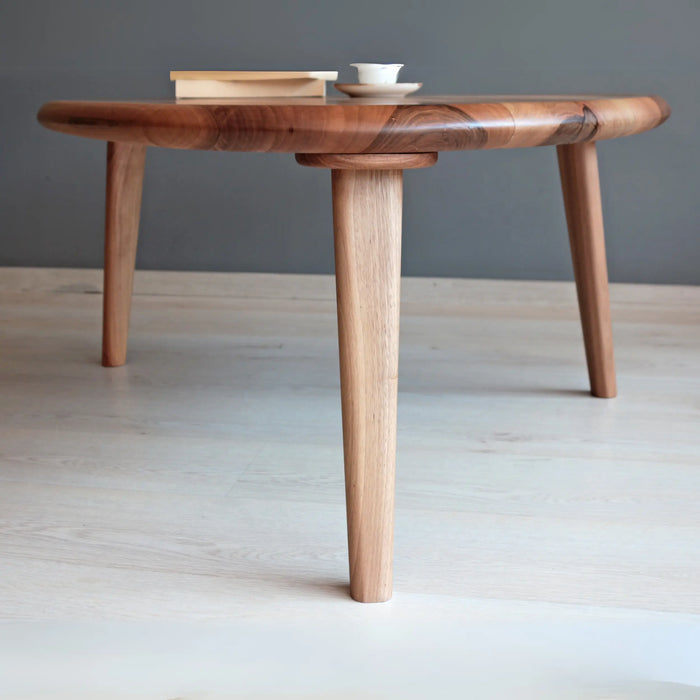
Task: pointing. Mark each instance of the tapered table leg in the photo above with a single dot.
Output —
(578, 167)
(367, 225)
(367, 200)
(125, 167)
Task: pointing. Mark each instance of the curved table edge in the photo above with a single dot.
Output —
(358, 127)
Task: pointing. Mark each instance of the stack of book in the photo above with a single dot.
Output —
(234, 83)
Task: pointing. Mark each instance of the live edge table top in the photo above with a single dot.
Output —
(360, 125)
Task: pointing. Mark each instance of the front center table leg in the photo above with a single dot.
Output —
(367, 202)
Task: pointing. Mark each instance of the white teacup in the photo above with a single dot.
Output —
(377, 73)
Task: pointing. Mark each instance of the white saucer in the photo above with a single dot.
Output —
(377, 89)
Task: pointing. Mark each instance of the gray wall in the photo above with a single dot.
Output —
(489, 214)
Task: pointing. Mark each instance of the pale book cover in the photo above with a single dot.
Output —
(230, 84)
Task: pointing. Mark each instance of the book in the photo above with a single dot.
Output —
(205, 84)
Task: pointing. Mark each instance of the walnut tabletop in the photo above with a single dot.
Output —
(360, 125)
(367, 144)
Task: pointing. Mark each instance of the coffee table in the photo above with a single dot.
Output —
(367, 143)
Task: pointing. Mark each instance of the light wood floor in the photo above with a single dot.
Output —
(175, 528)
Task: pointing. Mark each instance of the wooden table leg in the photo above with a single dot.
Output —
(367, 226)
(125, 167)
(578, 167)
(367, 202)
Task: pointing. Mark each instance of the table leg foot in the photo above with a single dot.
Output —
(578, 167)
(125, 167)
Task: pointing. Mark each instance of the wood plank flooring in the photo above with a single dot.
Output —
(546, 541)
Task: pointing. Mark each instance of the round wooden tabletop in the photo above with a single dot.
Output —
(346, 125)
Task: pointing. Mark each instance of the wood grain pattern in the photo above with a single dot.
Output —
(341, 125)
(125, 168)
(578, 166)
(367, 224)
(368, 161)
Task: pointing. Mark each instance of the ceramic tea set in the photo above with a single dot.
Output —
(377, 80)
